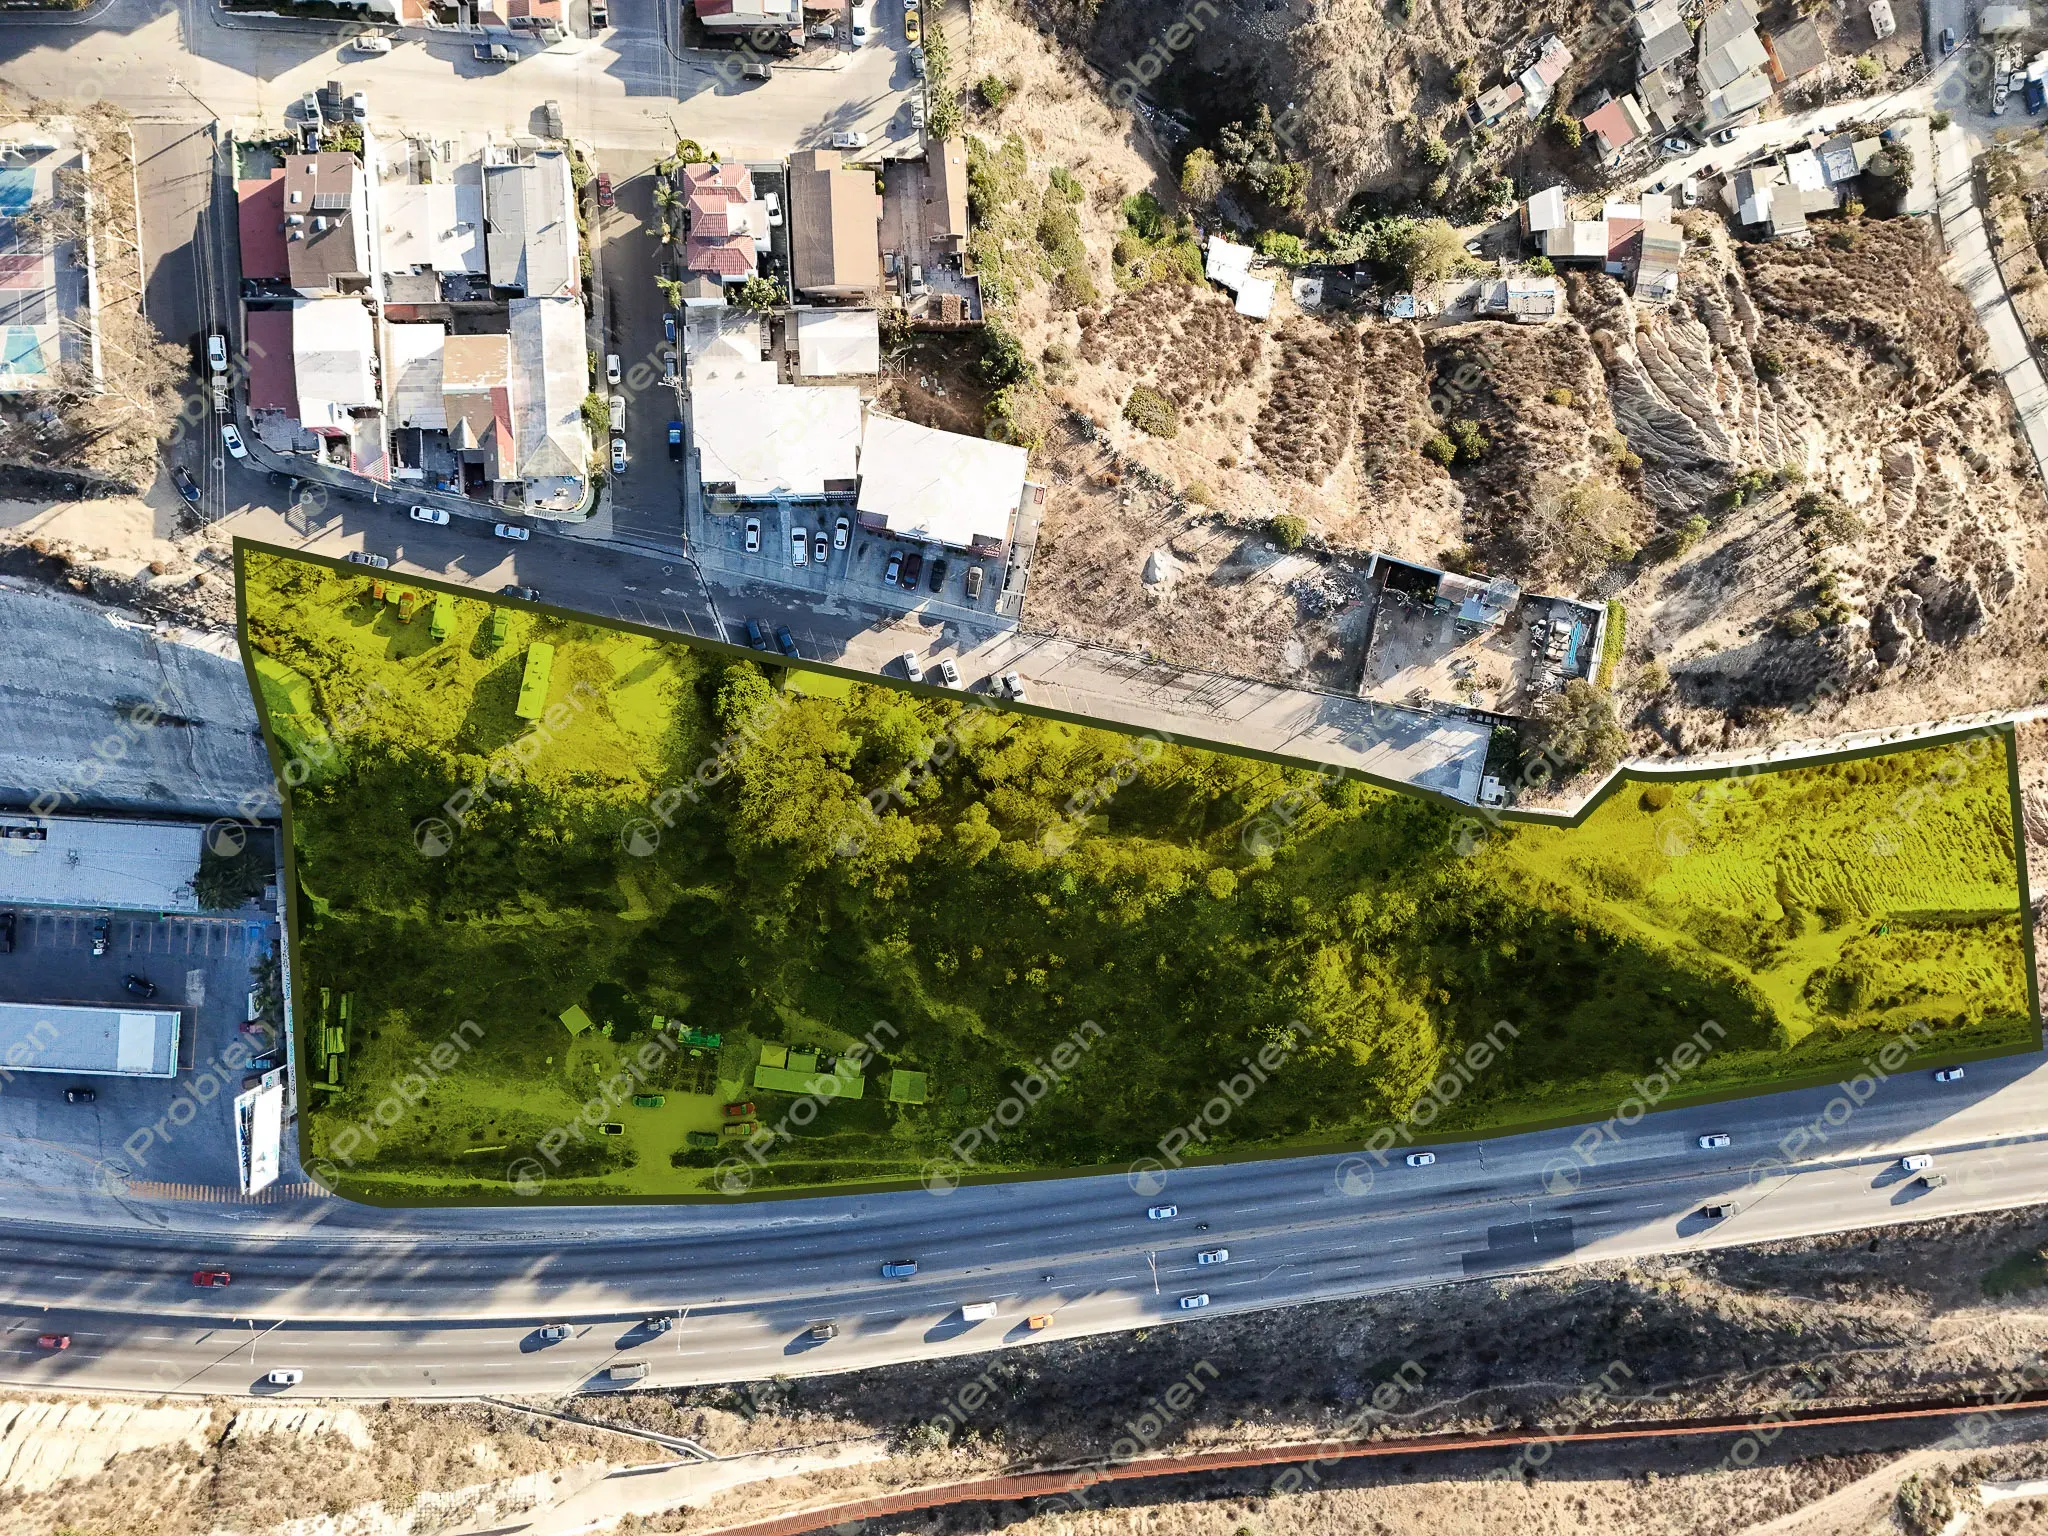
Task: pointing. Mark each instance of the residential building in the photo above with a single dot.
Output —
(1525, 300)
(728, 17)
(838, 343)
(1617, 125)
(532, 247)
(835, 218)
(1539, 80)
(1742, 55)
(944, 487)
(1581, 240)
(1228, 263)
(541, 18)
(725, 347)
(1661, 34)
(259, 220)
(1794, 52)
(1998, 20)
(1733, 64)
(1660, 254)
(273, 392)
(1495, 104)
(550, 376)
(327, 223)
(1544, 212)
(777, 442)
(1662, 101)
(412, 376)
(723, 241)
(1725, 108)
(946, 194)
(476, 401)
(433, 229)
(702, 291)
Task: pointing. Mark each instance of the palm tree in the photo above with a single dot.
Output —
(671, 291)
(666, 197)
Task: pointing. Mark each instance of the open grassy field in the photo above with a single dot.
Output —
(915, 929)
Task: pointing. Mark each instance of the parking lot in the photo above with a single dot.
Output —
(198, 965)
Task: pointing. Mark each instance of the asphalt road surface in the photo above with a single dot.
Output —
(447, 1303)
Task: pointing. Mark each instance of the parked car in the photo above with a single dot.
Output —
(309, 106)
(1689, 192)
(187, 486)
(757, 637)
(671, 371)
(1948, 40)
(611, 368)
(1162, 1212)
(738, 1111)
(840, 531)
(753, 535)
(1191, 1303)
(911, 34)
(861, 23)
(755, 69)
(1708, 1143)
(100, 928)
(615, 410)
(911, 669)
(139, 986)
(79, 1095)
(366, 43)
(1677, 146)
(285, 1378)
(620, 460)
(359, 107)
(212, 1277)
(232, 441)
(819, 547)
(220, 395)
(364, 557)
(53, 1341)
(1213, 1256)
(917, 59)
(786, 640)
(668, 326)
(527, 594)
(938, 581)
(849, 139)
(948, 673)
(675, 439)
(217, 352)
(1726, 136)
(1011, 686)
(899, 1269)
(6, 933)
(605, 199)
(774, 203)
(511, 531)
(1949, 1075)
(1421, 1159)
(891, 575)
(432, 515)
(913, 566)
(973, 583)
(600, 15)
(611, 1128)
(799, 547)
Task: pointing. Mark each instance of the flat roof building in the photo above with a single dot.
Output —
(82, 1041)
(99, 862)
(920, 483)
(778, 440)
(327, 224)
(835, 223)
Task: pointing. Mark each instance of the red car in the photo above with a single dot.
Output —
(211, 1277)
(738, 1111)
(604, 189)
(54, 1341)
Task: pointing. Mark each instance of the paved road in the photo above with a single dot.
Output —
(445, 1303)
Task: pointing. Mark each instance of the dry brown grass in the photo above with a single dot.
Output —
(1311, 413)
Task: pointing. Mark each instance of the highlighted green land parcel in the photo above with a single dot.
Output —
(624, 917)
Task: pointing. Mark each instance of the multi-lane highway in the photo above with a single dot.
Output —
(447, 1303)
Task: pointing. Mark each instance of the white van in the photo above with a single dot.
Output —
(863, 23)
(978, 1311)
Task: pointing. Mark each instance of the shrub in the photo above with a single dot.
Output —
(1003, 362)
(1439, 189)
(1837, 524)
(1440, 448)
(1569, 131)
(1288, 530)
(1151, 412)
(1470, 441)
(1558, 395)
(1284, 248)
(1853, 207)
(1434, 150)
(1198, 494)
(1867, 68)
(1200, 177)
(1146, 218)
(1794, 622)
(1542, 266)
(994, 89)
(1768, 364)
(1939, 120)
(1064, 183)
(1689, 533)
(597, 414)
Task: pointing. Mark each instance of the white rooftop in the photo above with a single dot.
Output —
(778, 439)
(129, 866)
(1547, 210)
(1228, 264)
(1255, 297)
(413, 357)
(438, 228)
(925, 484)
(331, 351)
(831, 342)
(89, 1042)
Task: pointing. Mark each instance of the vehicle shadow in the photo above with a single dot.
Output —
(951, 1326)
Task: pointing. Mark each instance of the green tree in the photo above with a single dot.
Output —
(671, 292)
(1288, 250)
(1251, 157)
(1578, 726)
(1289, 530)
(995, 90)
(1569, 131)
(758, 293)
(1201, 178)
(1002, 356)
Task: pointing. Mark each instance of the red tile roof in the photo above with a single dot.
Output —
(260, 216)
(267, 344)
(730, 256)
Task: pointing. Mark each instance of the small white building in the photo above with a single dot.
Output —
(920, 483)
(838, 343)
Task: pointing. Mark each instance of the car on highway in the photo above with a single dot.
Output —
(1010, 685)
(432, 515)
(1918, 1162)
(787, 641)
(53, 1341)
(627, 1370)
(739, 1111)
(822, 1332)
(1709, 1143)
(890, 576)
(552, 1333)
(753, 535)
(668, 326)
(79, 1095)
(187, 486)
(1190, 1303)
(1213, 1256)
(1720, 1212)
(1948, 40)
(1421, 1159)
(524, 594)
(660, 1324)
(217, 352)
(675, 439)
(285, 1378)
(841, 530)
(1162, 1212)
(605, 197)
(364, 557)
(757, 635)
(899, 1269)
(1949, 1075)
(799, 547)
(948, 673)
(232, 440)
(819, 548)
(511, 531)
(139, 986)
(849, 139)
(212, 1277)
(911, 669)
(367, 43)
(913, 567)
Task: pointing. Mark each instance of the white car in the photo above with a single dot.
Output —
(217, 353)
(1013, 685)
(616, 407)
(948, 673)
(774, 202)
(1162, 1212)
(553, 1332)
(818, 547)
(611, 367)
(1708, 1143)
(359, 107)
(911, 669)
(432, 515)
(1421, 1159)
(368, 44)
(364, 557)
(753, 535)
(1949, 1075)
(799, 547)
(840, 530)
(1919, 1162)
(850, 138)
(233, 440)
(1213, 1256)
(1190, 1303)
(511, 531)
(618, 455)
(285, 1378)
(863, 23)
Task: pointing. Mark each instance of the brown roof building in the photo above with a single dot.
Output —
(835, 218)
(260, 217)
(327, 226)
(946, 192)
